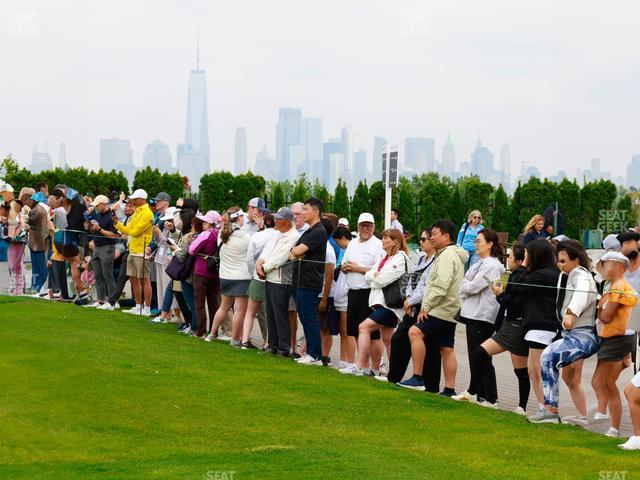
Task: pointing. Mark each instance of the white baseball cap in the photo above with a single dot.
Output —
(139, 193)
(366, 217)
(614, 257)
(611, 242)
(344, 222)
(5, 187)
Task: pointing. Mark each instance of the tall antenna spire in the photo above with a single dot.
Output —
(198, 54)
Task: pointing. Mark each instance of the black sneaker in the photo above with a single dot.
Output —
(447, 392)
(268, 350)
(248, 346)
(82, 299)
(295, 355)
(326, 361)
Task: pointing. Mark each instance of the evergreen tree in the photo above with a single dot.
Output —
(341, 200)
(360, 202)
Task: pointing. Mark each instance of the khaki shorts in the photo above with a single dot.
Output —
(138, 267)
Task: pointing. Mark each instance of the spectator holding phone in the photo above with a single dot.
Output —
(102, 245)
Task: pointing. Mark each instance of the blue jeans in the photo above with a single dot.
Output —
(574, 345)
(187, 291)
(39, 270)
(167, 298)
(307, 306)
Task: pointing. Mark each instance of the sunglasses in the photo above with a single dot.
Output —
(423, 239)
(477, 217)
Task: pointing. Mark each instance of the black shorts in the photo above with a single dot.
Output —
(357, 311)
(68, 251)
(385, 317)
(329, 321)
(441, 332)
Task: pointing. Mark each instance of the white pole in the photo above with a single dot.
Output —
(387, 191)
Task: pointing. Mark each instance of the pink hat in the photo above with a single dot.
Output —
(211, 217)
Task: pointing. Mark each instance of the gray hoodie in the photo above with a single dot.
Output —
(478, 300)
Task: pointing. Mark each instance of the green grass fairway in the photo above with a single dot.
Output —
(91, 394)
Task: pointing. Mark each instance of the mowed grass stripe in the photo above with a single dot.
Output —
(86, 393)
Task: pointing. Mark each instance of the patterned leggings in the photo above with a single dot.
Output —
(574, 345)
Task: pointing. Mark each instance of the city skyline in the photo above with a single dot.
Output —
(499, 72)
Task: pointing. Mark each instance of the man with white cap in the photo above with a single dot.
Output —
(359, 257)
(102, 244)
(140, 232)
(255, 209)
(343, 222)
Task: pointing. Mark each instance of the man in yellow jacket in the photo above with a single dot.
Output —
(140, 233)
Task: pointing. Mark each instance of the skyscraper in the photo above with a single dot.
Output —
(448, 161)
(347, 140)
(40, 161)
(157, 155)
(62, 156)
(116, 154)
(633, 172)
(329, 168)
(482, 162)
(379, 144)
(240, 151)
(287, 134)
(193, 154)
(311, 139)
(419, 155)
(360, 170)
(505, 167)
(265, 164)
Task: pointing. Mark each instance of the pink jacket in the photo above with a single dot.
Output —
(206, 243)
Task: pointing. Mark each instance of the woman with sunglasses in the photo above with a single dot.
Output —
(579, 338)
(468, 234)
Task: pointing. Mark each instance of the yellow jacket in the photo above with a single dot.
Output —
(139, 229)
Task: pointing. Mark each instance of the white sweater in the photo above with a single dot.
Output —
(391, 271)
(233, 257)
(256, 246)
(276, 254)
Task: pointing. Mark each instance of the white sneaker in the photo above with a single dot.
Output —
(601, 416)
(632, 444)
(93, 305)
(612, 432)
(308, 360)
(146, 311)
(382, 378)
(186, 331)
(210, 338)
(465, 397)
(487, 404)
(577, 420)
(351, 369)
(520, 411)
(224, 338)
(343, 364)
(133, 311)
(107, 306)
(158, 319)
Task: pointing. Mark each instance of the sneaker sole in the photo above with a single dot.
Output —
(549, 420)
(418, 389)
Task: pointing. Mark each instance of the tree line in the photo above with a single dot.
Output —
(420, 200)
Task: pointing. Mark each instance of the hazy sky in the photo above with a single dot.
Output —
(558, 81)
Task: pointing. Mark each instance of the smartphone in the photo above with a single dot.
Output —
(94, 222)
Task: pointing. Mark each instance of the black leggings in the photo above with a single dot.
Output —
(184, 308)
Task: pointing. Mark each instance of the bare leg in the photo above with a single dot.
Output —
(449, 365)
(535, 373)
(136, 289)
(633, 397)
(418, 350)
(365, 329)
(327, 342)
(239, 310)
(386, 333)
(146, 287)
(572, 376)
(376, 353)
(252, 310)
(225, 305)
(598, 382)
(293, 326)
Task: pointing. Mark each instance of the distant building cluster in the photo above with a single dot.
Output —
(301, 149)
